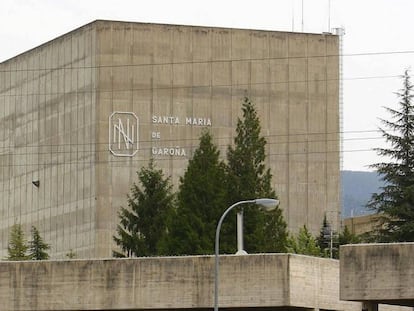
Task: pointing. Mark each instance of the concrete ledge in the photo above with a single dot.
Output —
(380, 273)
(259, 281)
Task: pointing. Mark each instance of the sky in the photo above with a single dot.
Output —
(377, 46)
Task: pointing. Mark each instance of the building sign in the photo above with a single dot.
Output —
(176, 151)
(123, 134)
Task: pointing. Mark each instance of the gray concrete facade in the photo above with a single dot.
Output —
(263, 282)
(57, 121)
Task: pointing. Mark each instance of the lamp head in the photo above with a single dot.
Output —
(267, 204)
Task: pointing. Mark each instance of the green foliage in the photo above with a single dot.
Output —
(347, 237)
(144, 224)
(37, 247)
(201, 200)
(248, 178)
(304, 243)
(151, 226)
(321, 240)
(395, 202)
(327, 240)
(17, 246)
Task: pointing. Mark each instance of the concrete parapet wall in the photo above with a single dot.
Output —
(260, 281)
(378, 272)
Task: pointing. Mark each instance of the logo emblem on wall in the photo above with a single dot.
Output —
(123, 134)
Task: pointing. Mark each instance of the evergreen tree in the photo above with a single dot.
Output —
(201, 200)
(321, 240)
(347, 237)
(248, 178)
(327, 240)
(17, 246)
(144, 224)
(395, 202)
(304, 243)
(37, 247)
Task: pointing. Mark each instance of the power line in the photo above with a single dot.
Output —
(76, 92)
(71, 67)
(307, 138)
(166, 158)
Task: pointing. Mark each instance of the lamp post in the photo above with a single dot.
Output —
(266, 204)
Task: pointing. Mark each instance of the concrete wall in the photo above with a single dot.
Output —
(56, 100)
(260, 281)
(378, 273)
(47, 129)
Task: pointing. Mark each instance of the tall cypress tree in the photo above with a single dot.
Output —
(144, 223)
(395, 202)
(248, 178)
(201, 200)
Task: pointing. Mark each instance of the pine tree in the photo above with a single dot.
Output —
(144, 224)
(395, 202)
(17, 246)
(248, 178)
(327, 240)
(304, 243)
(201, 200)
(37, 247)
(321, 240)
(347, 237)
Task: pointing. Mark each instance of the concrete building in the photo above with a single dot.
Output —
(362, 224)
(79, 115)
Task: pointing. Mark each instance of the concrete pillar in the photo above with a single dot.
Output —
(369, 306)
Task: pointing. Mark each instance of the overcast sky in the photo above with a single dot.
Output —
(378, 44)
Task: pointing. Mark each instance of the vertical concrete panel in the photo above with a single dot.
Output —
(279, 116)
(317, 193)
(333, 178)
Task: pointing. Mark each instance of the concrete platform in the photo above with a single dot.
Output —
(378, 273)
(261, 281)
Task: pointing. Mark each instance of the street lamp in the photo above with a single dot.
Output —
(266, 204)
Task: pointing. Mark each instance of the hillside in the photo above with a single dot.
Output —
(357, 188)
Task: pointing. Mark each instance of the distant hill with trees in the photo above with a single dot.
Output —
(357, 188)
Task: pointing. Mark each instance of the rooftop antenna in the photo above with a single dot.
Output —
(329, 15)
(302, 16)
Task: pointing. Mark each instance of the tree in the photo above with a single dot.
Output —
(17, 246)
(327, 240)
(37, 247)
(201, 199)
(321, 240)
(248, 178)
(304, 243)
(144, 224)
(347, 237)
(395, 202)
